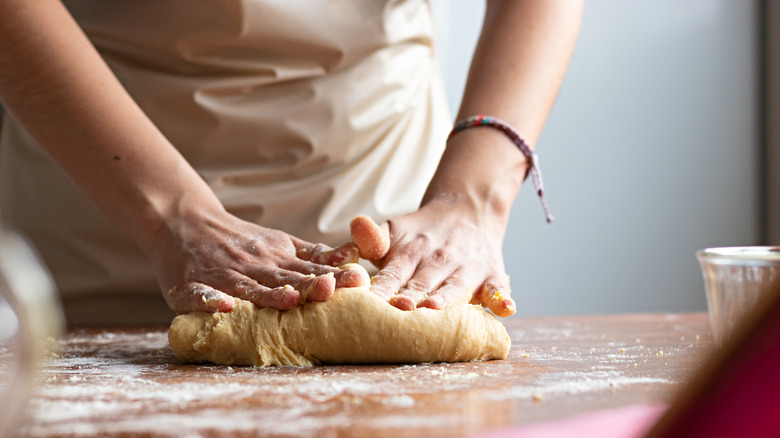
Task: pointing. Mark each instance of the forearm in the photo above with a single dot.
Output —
(55, 83)
(516, 71)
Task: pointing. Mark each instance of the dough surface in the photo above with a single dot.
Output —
(354, 326)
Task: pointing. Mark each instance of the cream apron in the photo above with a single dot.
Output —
(299, 114)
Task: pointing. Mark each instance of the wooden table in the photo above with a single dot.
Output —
(127, 382)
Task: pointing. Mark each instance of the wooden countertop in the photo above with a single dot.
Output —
(127, 382)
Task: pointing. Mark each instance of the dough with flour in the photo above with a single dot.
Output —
(354, 326)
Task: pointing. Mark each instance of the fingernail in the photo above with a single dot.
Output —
(286, 296)
(227, 305)
(436, 302)
(502, 308)
(369, 237)
(352, 278)
(218, 302)
(321, 288)
(403, 303)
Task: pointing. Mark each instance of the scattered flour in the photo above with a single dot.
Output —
(572, 383)
(130, 383)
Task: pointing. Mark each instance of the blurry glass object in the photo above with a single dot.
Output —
(30, 316)
(735, 279)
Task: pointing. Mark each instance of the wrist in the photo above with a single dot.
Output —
(170, 214)
(466, 206)
(480, 168)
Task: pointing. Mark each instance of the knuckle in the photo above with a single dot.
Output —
(440, 256)
(388, 274)
(420, 285)
(256, 296)
(307, 268)
(453, 282)
(277, 278)
(239, 286)
(386, 281)
(303, 253)
(420, 242)
(414, 246)
(318, 253)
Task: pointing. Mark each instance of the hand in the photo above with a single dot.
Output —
(434, 257)
(203, 262)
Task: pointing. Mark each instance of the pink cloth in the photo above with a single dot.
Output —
(626, 422)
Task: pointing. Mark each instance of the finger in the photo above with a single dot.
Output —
(391, 278)
(352, 275)
(372, 241)
(318, 288)
(424, 281)
(282, 297)
(454, 290)
(349, 275)
(311, 287)
(324, 255)
(495, 295)
(198, 297)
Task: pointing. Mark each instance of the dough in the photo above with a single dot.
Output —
(354, 326)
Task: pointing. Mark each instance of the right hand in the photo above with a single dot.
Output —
(203, 262)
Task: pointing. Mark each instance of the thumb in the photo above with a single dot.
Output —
(324, 255)
(198, 297)
(372, 240)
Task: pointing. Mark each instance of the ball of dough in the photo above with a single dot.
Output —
(354, 326)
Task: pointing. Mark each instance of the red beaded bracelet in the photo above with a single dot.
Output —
(504, 127)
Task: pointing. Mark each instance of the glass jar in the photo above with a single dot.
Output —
(735, 280)
(30, 316)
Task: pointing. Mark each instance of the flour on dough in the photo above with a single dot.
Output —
(354, 326)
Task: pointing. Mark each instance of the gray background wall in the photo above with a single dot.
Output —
(650, 153)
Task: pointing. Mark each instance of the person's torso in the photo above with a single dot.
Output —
(299, 115)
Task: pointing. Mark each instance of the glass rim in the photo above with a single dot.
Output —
(740, 253)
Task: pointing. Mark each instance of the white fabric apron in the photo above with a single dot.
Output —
(299, 115)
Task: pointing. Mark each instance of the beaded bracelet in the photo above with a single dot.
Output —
(504, 127)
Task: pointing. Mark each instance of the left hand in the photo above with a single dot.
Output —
(441, 254)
